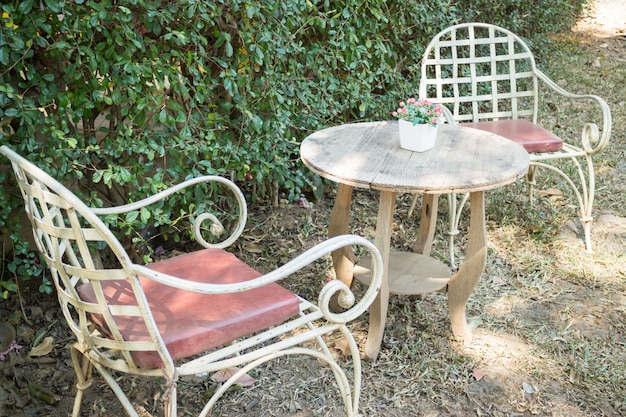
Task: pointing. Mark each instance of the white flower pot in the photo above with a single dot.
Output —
(417, 138)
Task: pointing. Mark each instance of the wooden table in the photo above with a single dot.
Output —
(368, 155)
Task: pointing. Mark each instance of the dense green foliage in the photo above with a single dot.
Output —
(120, 99)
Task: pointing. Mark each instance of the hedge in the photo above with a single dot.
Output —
(121, 99)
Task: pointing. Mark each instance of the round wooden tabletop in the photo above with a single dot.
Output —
(368, 155)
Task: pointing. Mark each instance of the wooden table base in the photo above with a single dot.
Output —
(397, 275)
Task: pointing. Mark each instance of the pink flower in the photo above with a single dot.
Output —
(419, 111)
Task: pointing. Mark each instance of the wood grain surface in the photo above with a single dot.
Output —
(368, 155)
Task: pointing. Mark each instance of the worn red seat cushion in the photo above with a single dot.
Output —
(191, 323)
(532, 137)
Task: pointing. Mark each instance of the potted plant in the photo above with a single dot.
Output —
(418, 122)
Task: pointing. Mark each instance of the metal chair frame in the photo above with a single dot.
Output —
(70, 235)
(482, 72)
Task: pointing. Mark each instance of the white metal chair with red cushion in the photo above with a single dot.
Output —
(487, 79)
(194, 313)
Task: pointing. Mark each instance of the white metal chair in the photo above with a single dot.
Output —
(487, 78)
(191, 314)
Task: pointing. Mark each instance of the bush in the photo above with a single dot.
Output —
(119, 101)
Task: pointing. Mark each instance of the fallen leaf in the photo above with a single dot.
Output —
(43, 393)
(342, 346)
(253, 248)
(223, 376)
(497, 281)
(43, 348)
(477, 374)
(551, 192)
(294, 406)
(528, 388)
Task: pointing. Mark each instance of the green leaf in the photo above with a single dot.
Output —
(10, 112)
(25, 6)
(145, 215)
(229, 50)
(53, 5)
(4, 55)
(131, 216)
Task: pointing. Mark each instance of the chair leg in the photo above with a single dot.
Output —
(585, 195)
(530, 183)
(586, 207)
(170, 398)
(587, 230)
(585, 198)
(83, 370)
(357, 375)
(117, 390)
(412, 207)
(455, 207)
(350, 399)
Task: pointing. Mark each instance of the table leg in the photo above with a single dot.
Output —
(428, 220)
(378, 309)
(343, 259)
(464, 281)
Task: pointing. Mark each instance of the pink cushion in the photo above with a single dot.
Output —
(191, 323)
(531, 136)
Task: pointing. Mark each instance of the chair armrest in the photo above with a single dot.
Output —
(330, 289)
(592, 140)
(448, 116)
(216, 226)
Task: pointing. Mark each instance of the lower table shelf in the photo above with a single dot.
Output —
(409, 273)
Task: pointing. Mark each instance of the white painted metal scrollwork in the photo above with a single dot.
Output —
(477, 94)
(66, 229)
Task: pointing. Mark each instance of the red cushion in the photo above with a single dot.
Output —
(532, 137)
(191, 323)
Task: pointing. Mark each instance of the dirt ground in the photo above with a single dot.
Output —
(550, 337)
(500, 374)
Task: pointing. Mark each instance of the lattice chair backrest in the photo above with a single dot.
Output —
(71, 238)
(480, 72)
